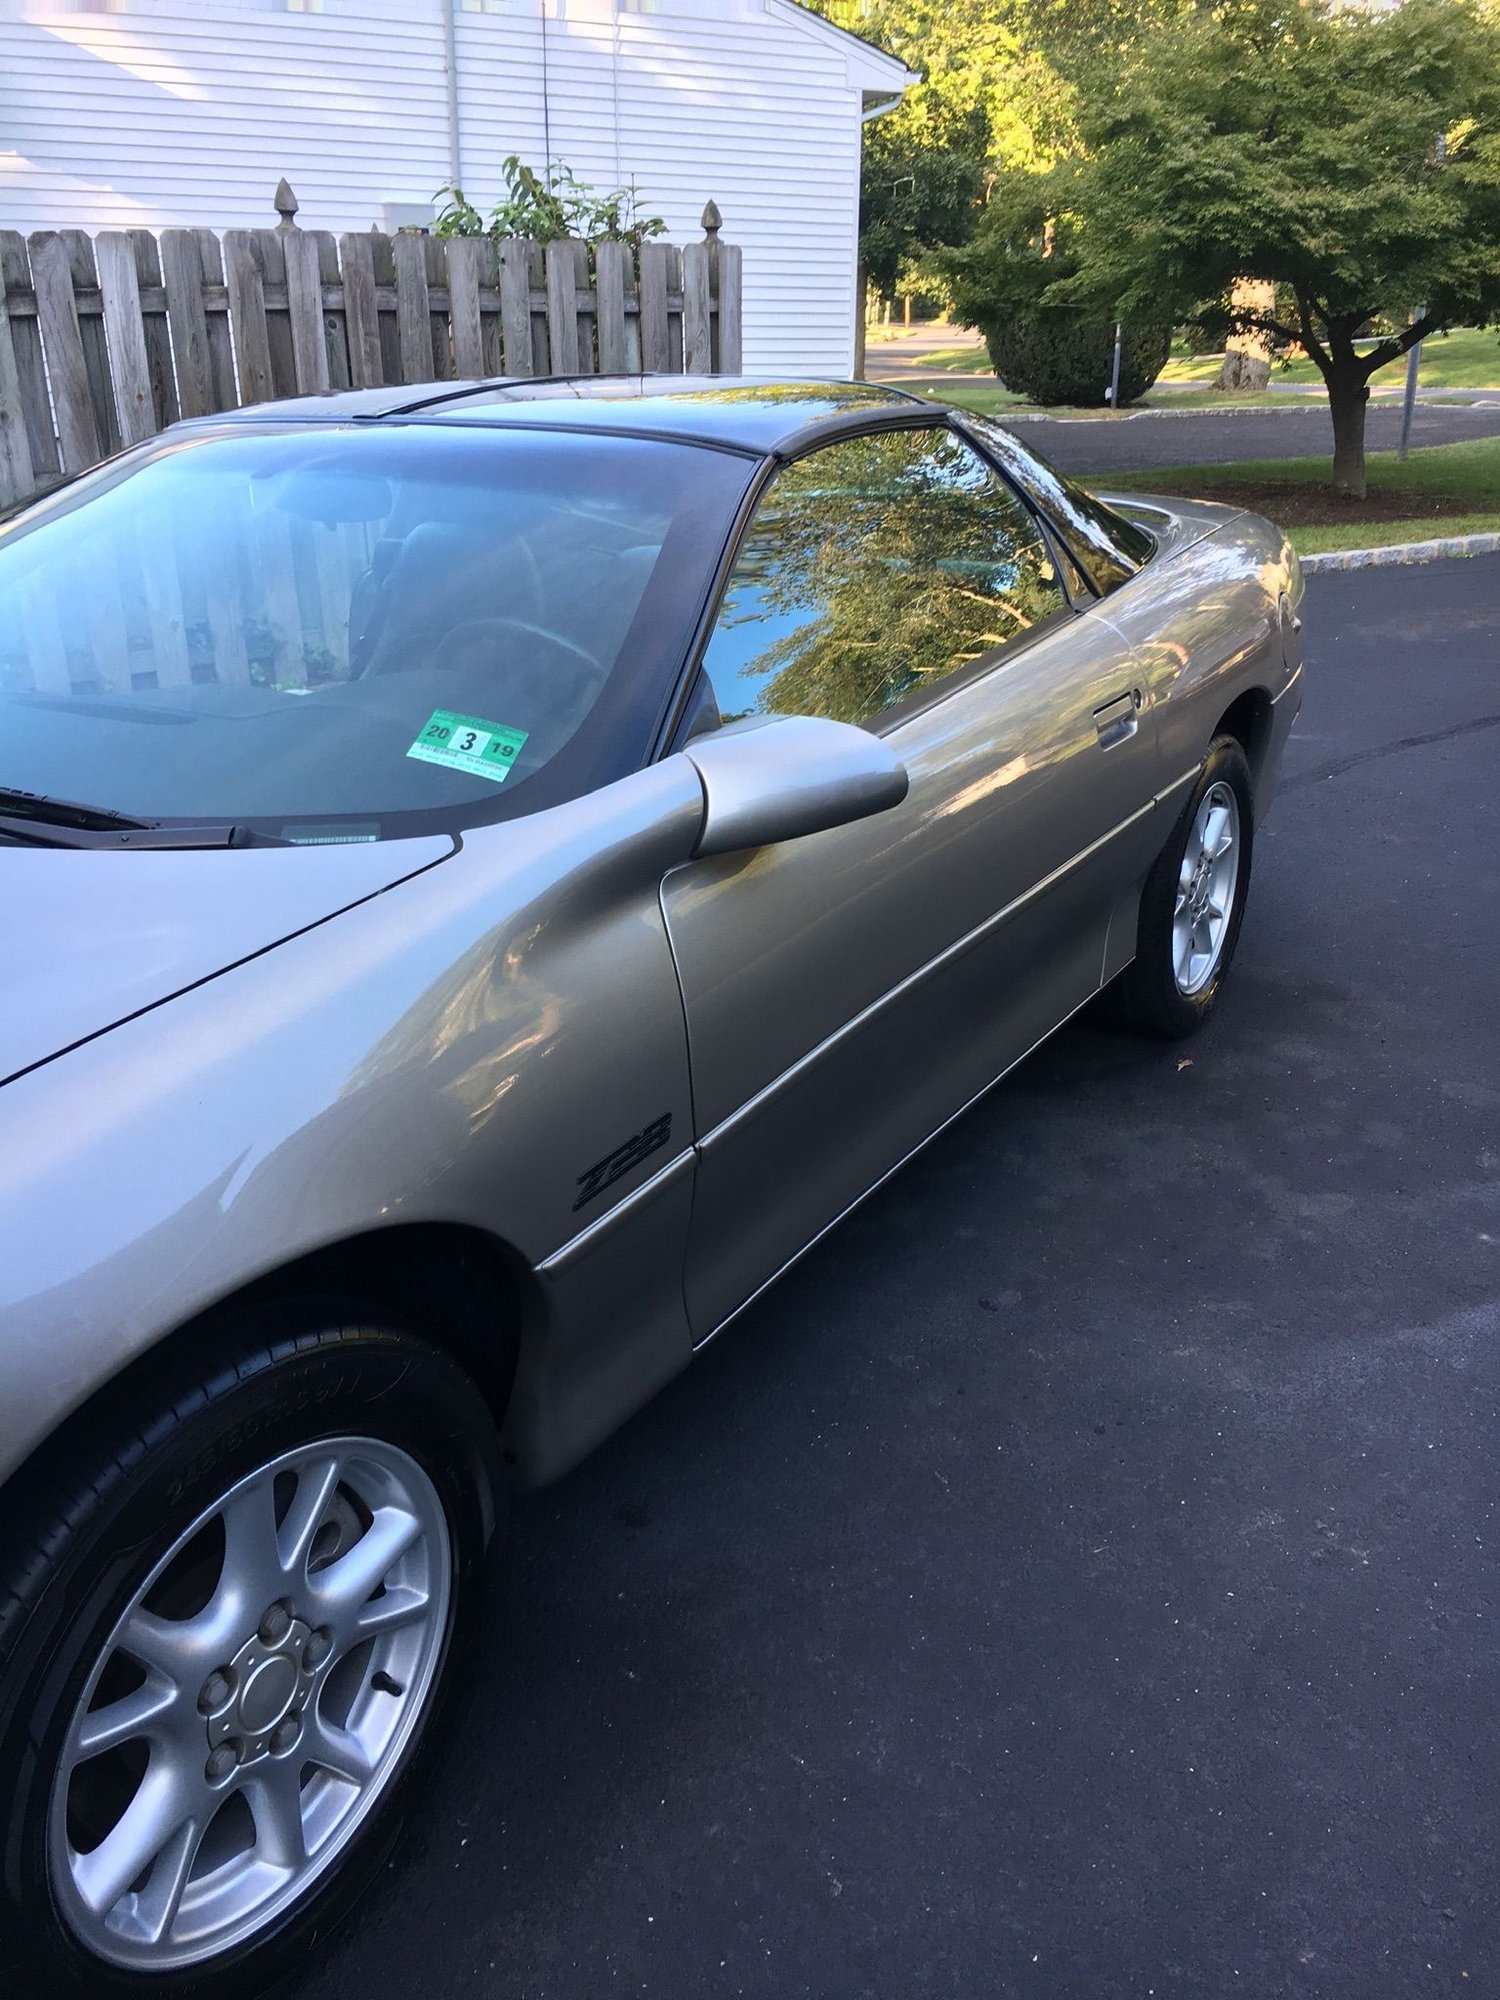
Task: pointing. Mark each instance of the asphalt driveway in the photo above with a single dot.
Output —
(1209, 437)
(1079, 1578)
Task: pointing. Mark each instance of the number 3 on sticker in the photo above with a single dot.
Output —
(468, 743)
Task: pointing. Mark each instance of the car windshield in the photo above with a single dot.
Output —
(343, 634)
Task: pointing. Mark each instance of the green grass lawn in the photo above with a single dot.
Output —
(1202, 371)
(1215, 399)
(1183, 376)
(988, 399)
(985, 399)
(1467, 358)
(959, 361)
(1465, 476)
(1381, 534)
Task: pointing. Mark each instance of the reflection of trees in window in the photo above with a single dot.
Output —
(887, 562)
(830, 396)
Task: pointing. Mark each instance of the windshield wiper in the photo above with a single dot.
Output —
(48, 822)
(66, 812)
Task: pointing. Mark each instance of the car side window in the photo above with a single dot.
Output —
(872, 570)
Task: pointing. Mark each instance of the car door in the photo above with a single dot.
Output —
(848, 992)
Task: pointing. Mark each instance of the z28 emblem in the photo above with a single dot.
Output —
(622, 1159)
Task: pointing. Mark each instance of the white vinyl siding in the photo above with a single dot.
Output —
(154, 113)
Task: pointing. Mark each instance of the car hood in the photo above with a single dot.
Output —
(92, 938)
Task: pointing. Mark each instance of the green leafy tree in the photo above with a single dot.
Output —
(989, 86)
(1351, 158)
(1000, 85)
(989, 101)
(914, 197)
(547, 209)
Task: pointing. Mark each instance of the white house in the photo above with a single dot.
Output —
(117, 113)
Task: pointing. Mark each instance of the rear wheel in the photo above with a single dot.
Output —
(226, 1656)
(1193, 903)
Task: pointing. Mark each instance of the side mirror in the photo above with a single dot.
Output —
(787, 776)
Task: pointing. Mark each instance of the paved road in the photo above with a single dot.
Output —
(1079, 1578)
(910, 351)
(1186, 437)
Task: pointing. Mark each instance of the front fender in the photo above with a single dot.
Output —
(463, 1048)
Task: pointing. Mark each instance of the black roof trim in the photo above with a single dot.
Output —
(645, 434)
(915, 415)
(755, 414)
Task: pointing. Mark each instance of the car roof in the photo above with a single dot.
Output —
(743, 413)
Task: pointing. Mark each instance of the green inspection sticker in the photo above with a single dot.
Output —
(468, 743)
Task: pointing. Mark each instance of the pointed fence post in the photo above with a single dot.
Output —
(304, 295)
(712, 288)
(726, 269)
(697, 309)
(712, 222)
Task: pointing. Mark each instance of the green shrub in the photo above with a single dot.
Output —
(1050, 339)
(1064, 354)
(546, 210)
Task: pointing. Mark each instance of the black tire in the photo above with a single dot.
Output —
(127, 1488)
(1146, 998)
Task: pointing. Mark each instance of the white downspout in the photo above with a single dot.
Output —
(450, 81)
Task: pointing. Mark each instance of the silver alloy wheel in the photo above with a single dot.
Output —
(1206, 884)
(251, 1705)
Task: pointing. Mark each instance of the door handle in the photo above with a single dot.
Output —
(1117, 721)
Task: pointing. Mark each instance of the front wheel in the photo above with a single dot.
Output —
(1193, 903)
(224, 1656)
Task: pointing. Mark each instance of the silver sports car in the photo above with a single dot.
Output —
(489, 876)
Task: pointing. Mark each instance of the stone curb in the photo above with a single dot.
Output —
(1397, 553)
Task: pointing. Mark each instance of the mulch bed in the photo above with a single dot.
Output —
(1294, 505)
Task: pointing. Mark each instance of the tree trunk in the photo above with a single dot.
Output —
(861, 307)
(1244, 370)
(1247, 356)
(1348, 397)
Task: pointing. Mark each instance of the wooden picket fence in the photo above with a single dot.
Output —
(106, 339)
